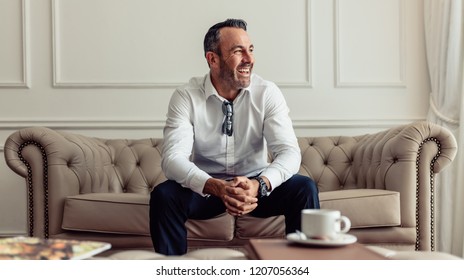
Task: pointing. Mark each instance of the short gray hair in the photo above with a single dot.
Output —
(211, 41)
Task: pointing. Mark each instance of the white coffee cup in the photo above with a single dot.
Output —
(323, 223)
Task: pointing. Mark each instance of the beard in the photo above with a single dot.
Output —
(229, 76)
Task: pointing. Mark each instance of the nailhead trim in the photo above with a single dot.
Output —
(432, 194)
(31, 189)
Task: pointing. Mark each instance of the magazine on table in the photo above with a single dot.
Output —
(33, 248)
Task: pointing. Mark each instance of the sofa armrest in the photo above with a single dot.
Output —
(406, 159)
(53, 165)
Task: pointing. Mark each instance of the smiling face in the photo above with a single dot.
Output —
(231, 69)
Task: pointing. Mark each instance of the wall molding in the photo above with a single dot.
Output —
(25, 79)
(339, 83)
(59, 82)
(351, 124)
(158, 125)
(309, 54)
(83, 124)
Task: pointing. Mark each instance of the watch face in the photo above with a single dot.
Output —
(263, 190)
(262, 187)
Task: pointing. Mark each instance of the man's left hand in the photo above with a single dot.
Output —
(241, 196)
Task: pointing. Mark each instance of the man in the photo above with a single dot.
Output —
(218, 132)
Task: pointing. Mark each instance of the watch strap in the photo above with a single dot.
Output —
(262, 190)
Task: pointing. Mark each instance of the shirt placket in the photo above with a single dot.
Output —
(230, 154)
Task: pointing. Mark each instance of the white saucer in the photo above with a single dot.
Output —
(341, 240)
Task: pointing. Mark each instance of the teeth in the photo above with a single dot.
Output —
(244, 70)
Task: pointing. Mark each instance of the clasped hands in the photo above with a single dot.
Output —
(238, 195)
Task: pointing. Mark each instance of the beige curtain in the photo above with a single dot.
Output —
(443, 21)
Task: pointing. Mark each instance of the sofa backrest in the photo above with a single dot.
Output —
(134, 166)
(328, 161)
(119, 165)
(85, 164)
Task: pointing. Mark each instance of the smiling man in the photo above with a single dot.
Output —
(219, 131)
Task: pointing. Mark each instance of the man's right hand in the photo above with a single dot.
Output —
(237, 195)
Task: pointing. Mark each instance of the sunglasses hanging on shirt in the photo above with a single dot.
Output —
(227, 125)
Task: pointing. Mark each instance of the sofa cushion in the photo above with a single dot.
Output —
(128, 213)
(365, 207)
(107, 212)
(219, 228)
(252, 227)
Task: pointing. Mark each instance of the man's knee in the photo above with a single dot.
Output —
(162, 193)
(304, 184)
(310, 185)
(311, 192)
(306, 191)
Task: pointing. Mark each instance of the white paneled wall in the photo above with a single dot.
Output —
(369, 45)
(107, 68)
(14, 60)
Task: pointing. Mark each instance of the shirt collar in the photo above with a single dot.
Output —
(210, 90)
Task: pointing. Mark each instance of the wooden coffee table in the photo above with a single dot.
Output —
(281, 249)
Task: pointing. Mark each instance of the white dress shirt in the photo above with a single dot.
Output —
(195, 149)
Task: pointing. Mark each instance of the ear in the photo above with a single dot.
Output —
(211, 58)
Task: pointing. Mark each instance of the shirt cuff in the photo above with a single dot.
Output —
(274, 177)
(197, 183)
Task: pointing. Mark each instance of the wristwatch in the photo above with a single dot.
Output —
(262, 191)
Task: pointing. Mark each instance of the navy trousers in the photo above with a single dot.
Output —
(171, 205)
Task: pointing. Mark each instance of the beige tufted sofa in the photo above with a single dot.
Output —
(98, 189)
